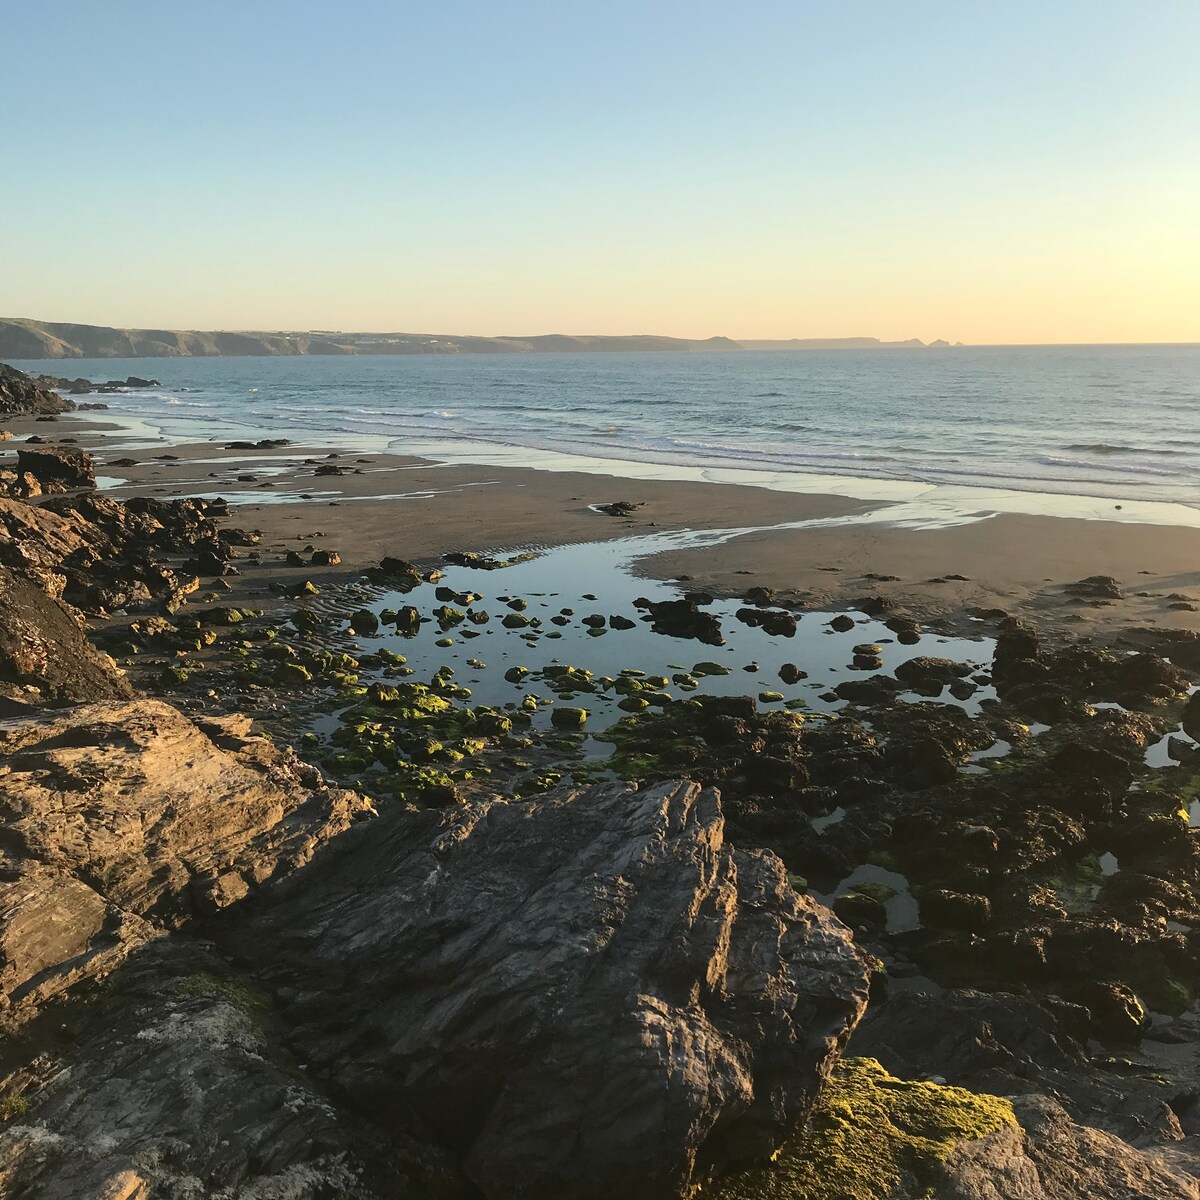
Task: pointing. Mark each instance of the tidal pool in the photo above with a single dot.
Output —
(596, 580)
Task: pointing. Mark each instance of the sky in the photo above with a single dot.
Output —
(975, 171)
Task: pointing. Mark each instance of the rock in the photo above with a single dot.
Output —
(568, 718)
(1191, 716)
(925, 672)
(842, 623)
(133, 794)
(776, 622)
(44, 656)
(955, 910)
(325, 558)
(57, 468)
(364, 622)
(176, 1084)
(1095, 587)
(882, 1136)
(620, 508)
(20, 395)
(684, 619)
(674, 1015)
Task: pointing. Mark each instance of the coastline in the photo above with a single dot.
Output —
(826, 542)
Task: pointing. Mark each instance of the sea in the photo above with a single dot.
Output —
(1113, 423)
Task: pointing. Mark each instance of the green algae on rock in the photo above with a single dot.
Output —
(874, 1136)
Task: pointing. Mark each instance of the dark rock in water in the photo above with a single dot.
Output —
(926, 672)
(683, 619)
(616, 622)
(842, 623)
(1191, 716)
(57, 468)
(879, 689)
(20, 395)
(329, 469)
(790, 673)
(675, 1016)
(44, 656)
(620, 508)
(773, 621)
(364, 622)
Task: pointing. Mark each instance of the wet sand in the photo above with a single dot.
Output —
(386, 504)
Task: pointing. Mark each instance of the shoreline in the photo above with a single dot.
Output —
(821, 548)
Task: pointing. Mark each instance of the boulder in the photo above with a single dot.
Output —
(585, 994)
(19, 394)
(684, 619)
(44, 656)
(57, 468)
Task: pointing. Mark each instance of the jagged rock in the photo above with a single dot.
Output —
(136, 796)
(57, 468)
(585, 994)
(172, 1085)
(44, 656)
(19, 394)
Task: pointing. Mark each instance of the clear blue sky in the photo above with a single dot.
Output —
(1011, 171)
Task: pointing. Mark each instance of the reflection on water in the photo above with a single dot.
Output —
(566, 588)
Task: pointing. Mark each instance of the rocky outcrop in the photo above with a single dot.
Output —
(45, 658)
(587, 994)
(137, 1064)
(57, 468)
(171, 1084)
(109, 555)
(20, 395)
(139, 802)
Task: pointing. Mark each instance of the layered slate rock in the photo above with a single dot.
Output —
(137, 1063)
(586, 994)
(45, 659)
(175, 1087)
(19, 395)
(137, 802)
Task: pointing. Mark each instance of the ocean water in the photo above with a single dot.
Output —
(1120, 423)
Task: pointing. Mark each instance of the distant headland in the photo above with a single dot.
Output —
(22, 338)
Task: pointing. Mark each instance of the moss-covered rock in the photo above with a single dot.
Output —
(874, 1136)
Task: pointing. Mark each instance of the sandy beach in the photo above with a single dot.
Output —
(387, 504)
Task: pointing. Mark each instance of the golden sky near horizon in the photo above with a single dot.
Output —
(984, 174)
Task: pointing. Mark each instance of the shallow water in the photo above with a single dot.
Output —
(565, 577)
(1114, 422)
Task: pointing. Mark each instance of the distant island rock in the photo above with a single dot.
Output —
(21, 338)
